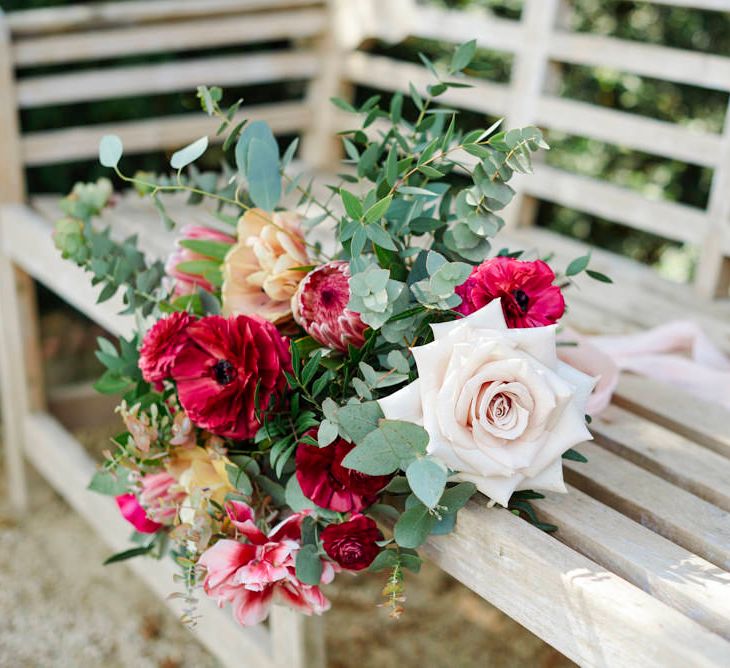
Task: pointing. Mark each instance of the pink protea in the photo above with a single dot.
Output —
(187, 284)
(161, 496)
(320, 307)
(254, 574)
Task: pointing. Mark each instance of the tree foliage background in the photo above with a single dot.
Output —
(653, 176)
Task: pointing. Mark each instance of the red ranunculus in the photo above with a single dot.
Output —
(529, 299)
(162, 344)
(133, 512)
(352, 544)
(226, 365)
(330, 485)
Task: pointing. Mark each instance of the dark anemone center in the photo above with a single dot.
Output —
(522, 300)
(224, 372)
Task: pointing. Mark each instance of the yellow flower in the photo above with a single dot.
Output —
(259, 275)
(201, 472)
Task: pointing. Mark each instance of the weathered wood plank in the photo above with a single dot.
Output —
(667, 219)
(586, 612)
(27, 240)
(78, 143)
(393, 75)
(665, 453)
(668, 572)
(98, 14)
(659, 62)
(698, 420)
(491, 32)
(630, 130)
(180, 36)
(68, 468)
(89, 86)
(698, 526)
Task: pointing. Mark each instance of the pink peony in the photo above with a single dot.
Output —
(162, 344)
(161, 496)
(529, 299)
(320, 307)
(253, 575)
(227, 364)
(187, 284)
(135, 514)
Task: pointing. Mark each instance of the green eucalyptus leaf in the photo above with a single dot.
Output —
(427, 478)
(264, 179)
(110, 150)
(414, 526)
(308, 565)
(189, 154)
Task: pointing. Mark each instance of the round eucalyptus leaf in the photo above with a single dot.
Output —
(189, 154)
(110, 150)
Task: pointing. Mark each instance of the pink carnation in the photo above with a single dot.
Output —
(161, 496)
(162, 344)
(528, 297)
(135, 514)
(187, 284)
(254, 574)
(320, 307)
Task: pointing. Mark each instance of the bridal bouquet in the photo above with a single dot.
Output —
(321, 385)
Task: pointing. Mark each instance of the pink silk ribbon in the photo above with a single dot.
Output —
(678, 353)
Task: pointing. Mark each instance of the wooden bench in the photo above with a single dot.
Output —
(638, 573)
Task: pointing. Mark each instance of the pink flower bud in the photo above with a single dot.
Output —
(187, 284)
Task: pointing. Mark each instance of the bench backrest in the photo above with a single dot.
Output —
(326, 37)
(541, 42)
(90, 38)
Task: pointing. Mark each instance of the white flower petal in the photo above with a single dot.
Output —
(404, 404)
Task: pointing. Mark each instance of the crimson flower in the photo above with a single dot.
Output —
(135, 514)
(528, 297)
(330, 485)
(227, 367)
(352, 544)
(320, 307)
(161, 345)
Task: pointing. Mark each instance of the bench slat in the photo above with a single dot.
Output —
(79, 143)
(586, 612)
(650, 60)
(668, 572)
(169, 77)
(698, 420)
(393, 75)
(667, 219)
(665, 453)
(183, 36)
(79, 17)
(696, 525)
(629, 130)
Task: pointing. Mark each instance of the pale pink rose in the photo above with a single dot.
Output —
(161, 497)
(260, 273)
(254, 574)
(187, 284)
(499, 407)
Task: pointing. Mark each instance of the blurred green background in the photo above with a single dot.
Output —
(653, 176)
